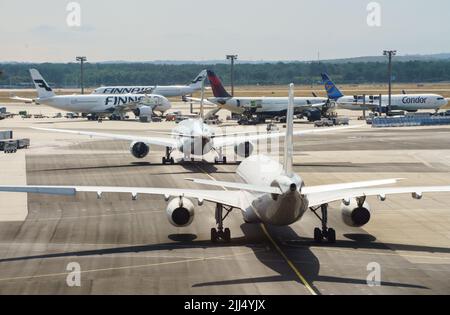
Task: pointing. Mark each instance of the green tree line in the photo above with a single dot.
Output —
(97, 74)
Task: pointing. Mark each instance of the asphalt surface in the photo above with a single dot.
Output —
(129, 247)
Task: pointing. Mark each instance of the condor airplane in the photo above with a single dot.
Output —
(263, 107)
(167, 91)
(113, 105)
(266, 192)
(404, 102)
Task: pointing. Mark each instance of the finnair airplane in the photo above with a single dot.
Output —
(263, 107)
(267, 192)
(405, 102)
(167, 91)
(105, 104)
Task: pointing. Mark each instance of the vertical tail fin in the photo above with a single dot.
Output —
(289, 140)
(197, 82)
(216, 85)
(42, 88)
(333, 92)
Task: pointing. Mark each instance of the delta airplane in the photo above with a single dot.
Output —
(263, 107)
(404, 102)
(113, 105)
(167, 91)
(268, 192)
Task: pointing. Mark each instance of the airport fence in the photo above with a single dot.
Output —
(383, 122)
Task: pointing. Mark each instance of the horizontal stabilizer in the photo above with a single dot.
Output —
(241, 186)
(327, 188)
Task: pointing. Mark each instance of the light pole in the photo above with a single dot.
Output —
(390, 54)
(82, 59)
(232, 58)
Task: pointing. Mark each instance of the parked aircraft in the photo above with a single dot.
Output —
(167, 91)
(404, 102)
(114, 106)
(263, 107)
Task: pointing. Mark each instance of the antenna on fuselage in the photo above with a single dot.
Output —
(289, 139)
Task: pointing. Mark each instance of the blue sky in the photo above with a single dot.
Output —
(138, 30)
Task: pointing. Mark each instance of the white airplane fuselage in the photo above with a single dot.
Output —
(194, 136)
(406, 102)
(167, 91)
(271, 106)
(280, 210)
(99, 104)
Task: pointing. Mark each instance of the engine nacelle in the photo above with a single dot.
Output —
(354, 215)
(313, 115)
(139, 149)
(244, 149)
(143, 111)
(180, 212)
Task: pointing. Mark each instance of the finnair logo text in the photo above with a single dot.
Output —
(122, 100)
(134, 90)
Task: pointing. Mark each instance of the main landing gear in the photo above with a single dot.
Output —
(220, 232)
(324, 233)
(168, 159)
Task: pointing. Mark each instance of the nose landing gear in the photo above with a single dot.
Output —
(168, 159)
(325, 233)
(220, 159)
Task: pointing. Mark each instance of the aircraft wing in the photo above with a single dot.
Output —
(22, 99)
(318, 105)
(198, 100)
(318, 198)
(164, 142)
(229, 198)
(234, 140)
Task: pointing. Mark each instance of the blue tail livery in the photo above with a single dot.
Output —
(332, 90)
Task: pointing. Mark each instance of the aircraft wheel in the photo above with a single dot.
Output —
(172, 161)
(164, 160)
(331, 237)
(227, 235)
(214, 235)
(318, 236)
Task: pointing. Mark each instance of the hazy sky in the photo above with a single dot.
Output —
(138, 30)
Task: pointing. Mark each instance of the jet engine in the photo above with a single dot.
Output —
(180, 212)
(244, 149)
(139, 149)
(313, 115)
(355, 213)
(143, 111)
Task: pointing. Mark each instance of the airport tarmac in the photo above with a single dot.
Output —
(129, 247)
